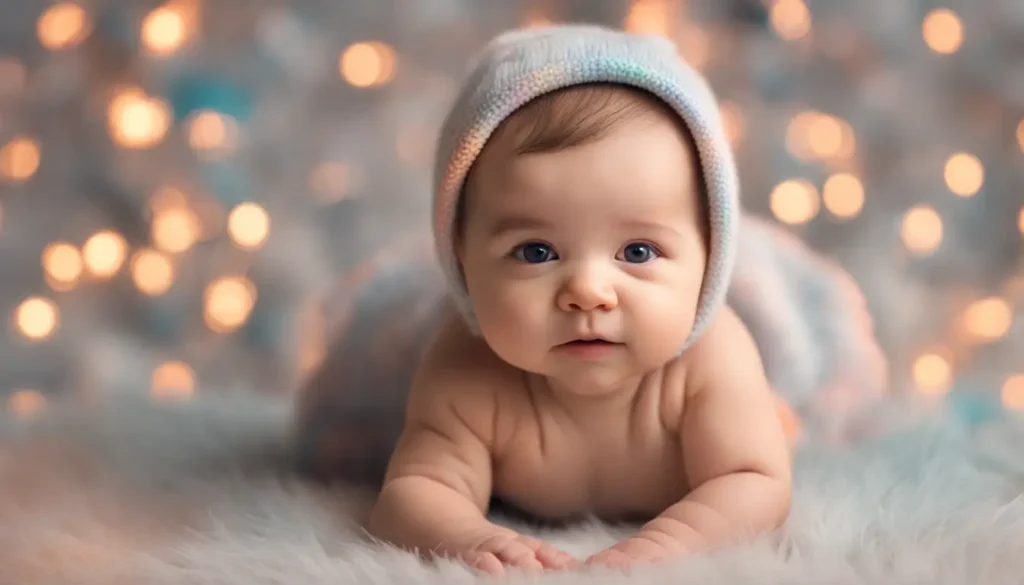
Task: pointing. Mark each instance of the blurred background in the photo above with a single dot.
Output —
(185, 186)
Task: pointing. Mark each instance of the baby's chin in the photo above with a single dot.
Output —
(590, 377)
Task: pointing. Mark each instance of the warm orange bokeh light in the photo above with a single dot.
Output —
(933, 374)
(964, 174)
(228, 303)
(943, 31)
(922, 230)
(248, 225)
(19, 158)
(63, 25)
(367, 64)
(795, 201)
(790, 19)
(36, 318)
(988, 319)
(1012, 393)
(172, 380)
(26, 403)
(843, 195)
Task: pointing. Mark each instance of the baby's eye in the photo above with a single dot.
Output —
(534, 253)
(638, 253)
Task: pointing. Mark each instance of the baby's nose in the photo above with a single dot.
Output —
(587, 290)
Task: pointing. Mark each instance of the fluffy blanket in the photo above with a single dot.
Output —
(203, 493)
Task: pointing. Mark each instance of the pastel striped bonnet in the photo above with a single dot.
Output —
(521, 65)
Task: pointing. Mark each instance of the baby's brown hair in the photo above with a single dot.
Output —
(577, 115)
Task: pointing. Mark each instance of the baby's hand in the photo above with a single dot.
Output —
(509, 550)
(640, 549)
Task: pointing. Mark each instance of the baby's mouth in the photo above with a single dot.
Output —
(597, 341)
(589, 349)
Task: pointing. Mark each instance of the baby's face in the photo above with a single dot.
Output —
(599, 241)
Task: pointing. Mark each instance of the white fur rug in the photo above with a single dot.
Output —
(200, 494)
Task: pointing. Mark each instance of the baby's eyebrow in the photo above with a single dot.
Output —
(514, 223)
(641, 224)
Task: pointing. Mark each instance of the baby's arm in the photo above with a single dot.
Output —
(734, 451)
(438, 485)
(439, 479)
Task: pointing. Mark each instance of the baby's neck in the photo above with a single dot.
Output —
(584, 400)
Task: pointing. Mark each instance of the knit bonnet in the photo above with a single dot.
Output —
(521, 65)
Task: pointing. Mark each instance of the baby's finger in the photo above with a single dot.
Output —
(553, 558)
(485, 561)
(548, 555)
(609, 558)
(517, 554)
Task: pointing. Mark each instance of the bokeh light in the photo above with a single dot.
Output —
(825, 136)
(248, 225)
(368, 64)
(173, 380)
(63, 25)
(843, 195)
(964, 174)
(790, 19)
(19, 158)
(174, 229)
(212, 133)
(652, 17)
(164, 30)
(988, 319)
(228, 302)
(104, 253)
(812, 135)
(26, 403)
(933, 374)
(943, 31)
(36, 318)
(152, 272)
(137, 121)
(62, 263)
(921, 230)
(795, 201)
(1012, 392)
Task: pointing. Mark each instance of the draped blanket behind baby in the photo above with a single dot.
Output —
(806, 314)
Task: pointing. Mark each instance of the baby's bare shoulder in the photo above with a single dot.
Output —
(726, 350)
(730, 421)
(459, 375)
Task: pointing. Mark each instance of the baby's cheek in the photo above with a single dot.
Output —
(510, 318)
(662, 322)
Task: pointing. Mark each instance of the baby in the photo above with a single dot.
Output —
(585, 215)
